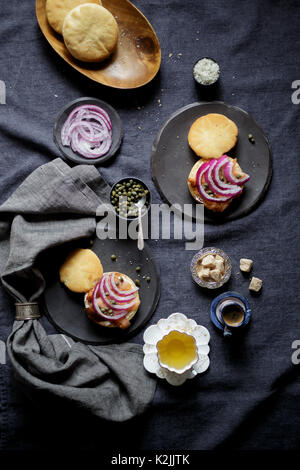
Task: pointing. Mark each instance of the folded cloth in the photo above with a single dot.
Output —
(56, 204)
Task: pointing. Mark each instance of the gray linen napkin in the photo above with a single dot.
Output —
(56, 204)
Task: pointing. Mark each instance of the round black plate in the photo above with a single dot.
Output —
(117, 131)
(172, 159)
(66, 309)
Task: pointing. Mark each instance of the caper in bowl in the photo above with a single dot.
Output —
(125, 195)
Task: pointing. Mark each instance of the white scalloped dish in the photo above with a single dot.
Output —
(180, 323)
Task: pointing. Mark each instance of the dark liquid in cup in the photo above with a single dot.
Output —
(233, 315)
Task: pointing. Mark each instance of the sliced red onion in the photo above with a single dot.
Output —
(115, 316)
(88, 131)
(119, 291)
(232, 191)
(116, 297)
(125, 306)
(102, 289)
(216, 173)
(95, 304)
(79, 145)
(102, 292)
(200, 172)
(228, 173)
(98, 111)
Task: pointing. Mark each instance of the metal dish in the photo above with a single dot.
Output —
(148, 197)
(211, 284)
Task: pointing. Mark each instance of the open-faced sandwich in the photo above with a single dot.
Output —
(113, 301)
(216, 182)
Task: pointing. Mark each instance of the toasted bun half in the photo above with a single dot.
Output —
(81, 270)
(211, 205)
(212, 135)
(124, 322)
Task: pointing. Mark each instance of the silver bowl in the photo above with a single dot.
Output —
(211, 284)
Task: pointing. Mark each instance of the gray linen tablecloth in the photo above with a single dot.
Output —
(249, 397)
(56, 204)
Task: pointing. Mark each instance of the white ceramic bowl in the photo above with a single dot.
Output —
(154, 333)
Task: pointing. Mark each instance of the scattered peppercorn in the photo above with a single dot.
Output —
(137, 282)
(148, 278)
(251, 138)
(138, 268)
(113, 258)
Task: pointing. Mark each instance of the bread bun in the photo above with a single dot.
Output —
(57, 10)
(90, 33)
(81, 270)
(212, 135)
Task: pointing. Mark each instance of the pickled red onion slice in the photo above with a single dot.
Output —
(228, 173)
(97, 309)
(232, 190)
(88, 131)
(200, 173)
(122, 292)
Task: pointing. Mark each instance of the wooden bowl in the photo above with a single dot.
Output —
(137, 58)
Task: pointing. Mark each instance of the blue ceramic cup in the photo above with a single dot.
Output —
(232, 315)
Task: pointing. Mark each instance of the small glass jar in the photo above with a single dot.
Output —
(203, 76)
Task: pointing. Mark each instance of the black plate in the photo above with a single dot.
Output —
(66, 309)
(172, 159)
(117, 131)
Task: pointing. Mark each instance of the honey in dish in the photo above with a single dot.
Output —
(177, 350)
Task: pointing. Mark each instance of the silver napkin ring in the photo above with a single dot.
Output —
(27, 311)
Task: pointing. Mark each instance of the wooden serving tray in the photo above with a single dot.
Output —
(137, 58)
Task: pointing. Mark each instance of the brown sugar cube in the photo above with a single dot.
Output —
(255, 284)
(246, 265)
